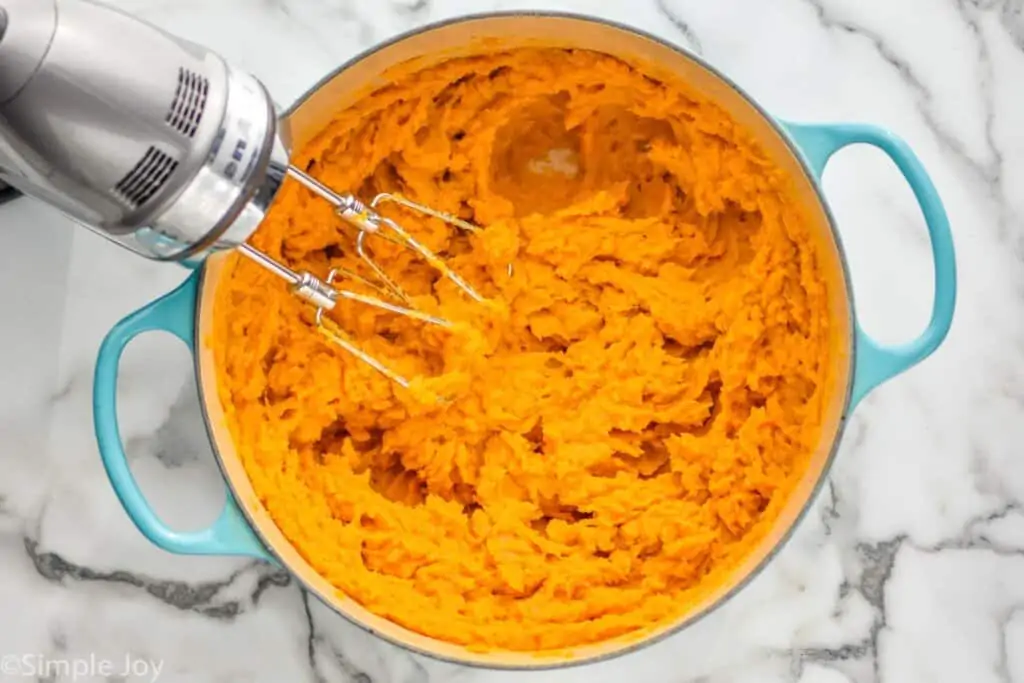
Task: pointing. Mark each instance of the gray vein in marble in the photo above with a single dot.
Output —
(989, 174)
(970, 539)
(353, 673)
(876, 566)
(829, 513)
(181, 438)
(1003, 666)
(267, 580)
(858, 660)
(680, 25)
(985, 480)
(64, 390)
(994, 175)
(850, 660)
(59, 639)
(878, 561)
(902, 66)
(311, 639)
(199, 598)
(1003, 663)
(347, 10)
(1011, 17)
(71, 385)
(411, 7)
(1002, 513)
(420, 675)
(280, 6)
(856, 431)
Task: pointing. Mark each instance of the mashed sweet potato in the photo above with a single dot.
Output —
(617, 431)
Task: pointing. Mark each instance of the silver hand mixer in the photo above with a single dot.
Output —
(163, 147)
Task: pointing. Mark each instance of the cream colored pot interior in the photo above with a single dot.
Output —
(473, 36)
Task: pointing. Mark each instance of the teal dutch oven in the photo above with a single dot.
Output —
(245, 529)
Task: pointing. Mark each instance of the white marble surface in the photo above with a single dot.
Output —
(910, 569)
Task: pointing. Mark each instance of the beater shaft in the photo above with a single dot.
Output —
(304, 285)
(347, 206)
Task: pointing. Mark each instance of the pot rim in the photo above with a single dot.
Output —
(828, 460)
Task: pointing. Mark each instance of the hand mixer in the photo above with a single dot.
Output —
(163, 147)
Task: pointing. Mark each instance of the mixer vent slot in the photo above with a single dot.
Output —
(146, 179)
(189, 102)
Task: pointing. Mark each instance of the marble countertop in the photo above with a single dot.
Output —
(910, 568)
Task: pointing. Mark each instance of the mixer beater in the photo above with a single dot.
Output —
(163, 147)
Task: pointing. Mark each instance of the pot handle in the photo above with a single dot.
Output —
(874, 362)
(230, 534)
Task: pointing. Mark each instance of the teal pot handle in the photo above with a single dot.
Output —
(230, 534)
(875, 363)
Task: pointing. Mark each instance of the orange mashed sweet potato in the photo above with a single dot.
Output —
(616, 433)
